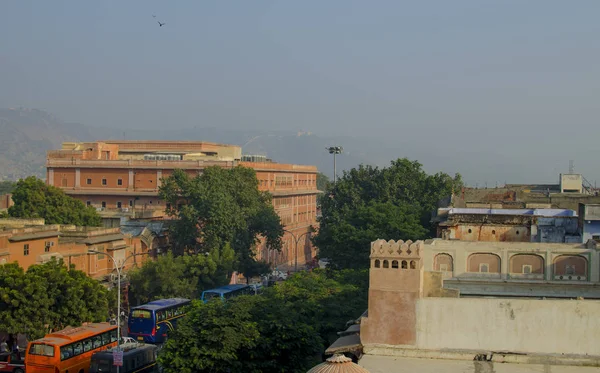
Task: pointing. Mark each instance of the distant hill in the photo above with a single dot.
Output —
(26, 135)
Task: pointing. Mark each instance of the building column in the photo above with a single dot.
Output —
(158, 177)
(504, 257)
(130, 184)
(51, 176)
(77, 178)
(594, 266)
(549, 266)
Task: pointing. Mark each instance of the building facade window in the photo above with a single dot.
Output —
(526, 269)
(119, 204)
(484, 268)
(119, 182)
(103, 181)
(103, 204)
(88, 203)
(130, 203)
(88, 181)
(26, 249)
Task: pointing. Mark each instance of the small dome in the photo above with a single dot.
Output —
(338, 364)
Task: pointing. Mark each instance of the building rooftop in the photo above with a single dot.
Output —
(528, 212)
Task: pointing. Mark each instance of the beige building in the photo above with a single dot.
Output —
(413, 321)
(523, 269)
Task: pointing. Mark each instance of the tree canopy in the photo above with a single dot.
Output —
(286, 329)
(322, 181)
(184, 276)
(34, 199)
(218, 207)
(48, 297)
(369, 203)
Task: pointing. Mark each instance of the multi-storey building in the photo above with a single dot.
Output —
(30, 241)
(126, 175)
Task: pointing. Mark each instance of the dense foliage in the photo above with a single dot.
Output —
(184, 276)
(322, 181)
(369, 203)
(48, 297)
(34, 199)
(286, 329)
(220, 206)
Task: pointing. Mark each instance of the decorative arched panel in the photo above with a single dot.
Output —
(443, 262)
(483, 263)
(570, 267)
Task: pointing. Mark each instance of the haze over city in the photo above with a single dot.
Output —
(498, 91)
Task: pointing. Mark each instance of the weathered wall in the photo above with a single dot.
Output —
(532, 326)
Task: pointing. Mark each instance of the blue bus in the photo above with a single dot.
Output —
(150, 322)
(227, 291)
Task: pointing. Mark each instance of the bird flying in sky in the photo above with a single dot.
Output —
(160, 24)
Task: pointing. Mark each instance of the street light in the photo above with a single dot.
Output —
(297, 239)
(334, 150)
(118, 292)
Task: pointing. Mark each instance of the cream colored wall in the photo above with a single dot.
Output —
(517, 325)
(460, 251)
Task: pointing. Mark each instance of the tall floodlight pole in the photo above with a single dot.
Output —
(335, 150)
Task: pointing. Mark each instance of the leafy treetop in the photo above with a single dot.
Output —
(48, 297)
(369, 203)
(220, 206)
(34, 199)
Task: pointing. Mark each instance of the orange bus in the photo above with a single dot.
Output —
(69, 350)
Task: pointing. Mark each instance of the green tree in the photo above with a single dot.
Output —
(322, 181)
(185, 276)
(210, 338)
(24, 304)
(75, 297)
(48, 297)
(220, 206)
(286, 329)
(368, 203)
(34, 199)
(7, 187)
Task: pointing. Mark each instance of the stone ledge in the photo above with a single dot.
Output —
(481, 355)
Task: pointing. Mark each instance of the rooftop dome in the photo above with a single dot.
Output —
(338, 364)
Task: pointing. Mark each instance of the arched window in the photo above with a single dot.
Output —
(413, 264)
(386, 264)
(377, 263)
(404, 264)
(394, 264)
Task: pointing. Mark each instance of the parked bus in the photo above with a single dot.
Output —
(136, 358)
(150, 322)
(70, 349)
(227, 291)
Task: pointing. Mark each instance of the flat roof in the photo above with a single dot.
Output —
(528, 212)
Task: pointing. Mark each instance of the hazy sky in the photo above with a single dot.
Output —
(516, 80)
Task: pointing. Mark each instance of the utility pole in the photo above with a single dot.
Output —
(335, 150)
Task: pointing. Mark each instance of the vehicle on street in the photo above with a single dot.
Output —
(226, 292)
(13, 362)
(137, 357)
(70, 349)
(151, 322)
